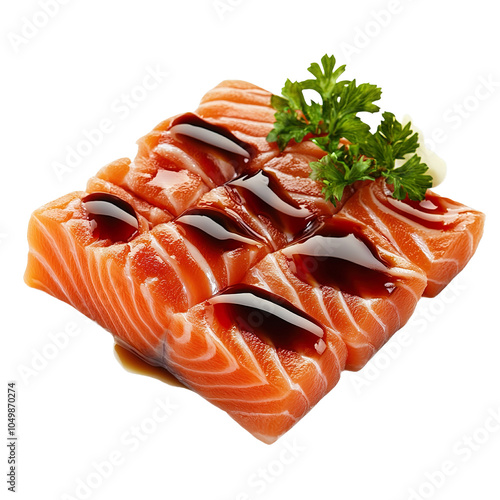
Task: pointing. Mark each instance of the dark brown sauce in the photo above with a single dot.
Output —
(111, 217)
(263, 196)
(216, 229)
(434, 212)
(338, 255)
(135, 364)
(269, 317)
(197, 129)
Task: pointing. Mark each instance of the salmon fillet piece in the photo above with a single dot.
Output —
(264, 386)
(439, 235)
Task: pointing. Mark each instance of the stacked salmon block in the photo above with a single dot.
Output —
(215, 255)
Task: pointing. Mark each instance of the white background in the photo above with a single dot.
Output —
(380, 434)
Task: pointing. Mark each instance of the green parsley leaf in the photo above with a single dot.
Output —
(409, 179)
(288, 127)
(391, 141)
(334, 118)
(325, 80)
(369, 155)
(339, 169)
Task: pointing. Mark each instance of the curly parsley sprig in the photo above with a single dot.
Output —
(369, 155)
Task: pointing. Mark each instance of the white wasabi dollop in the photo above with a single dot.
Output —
(437, 166)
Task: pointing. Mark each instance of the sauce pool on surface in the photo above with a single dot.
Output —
(338, 256)
(269, 317)
(216, 229)
(111, 217)
(194, 127)
(264, 196)
(433, 212)
(135, 364)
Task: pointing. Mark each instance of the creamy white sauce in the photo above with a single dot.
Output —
(437, 166)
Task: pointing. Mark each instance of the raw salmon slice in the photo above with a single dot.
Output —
(438, 234)
(256, 356)
(100, 278)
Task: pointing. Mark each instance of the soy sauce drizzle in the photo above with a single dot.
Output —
(271, 318)
(195, 127)
(339, 256)
(111, 217)
(216, 229)
(134, 363)
(264, 196)
(433, 212)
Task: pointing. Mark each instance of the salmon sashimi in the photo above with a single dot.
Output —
(216, 256)
(437, 234)
(246, 110)
(100, 278)
(256, 356)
